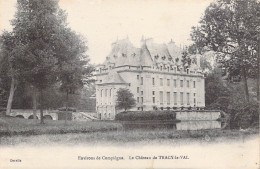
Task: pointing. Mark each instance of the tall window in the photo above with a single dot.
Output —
(168, 82)
(137, 77)
(137, 99)
(188, 83)
(142, 99)
(161, 81)
(153, 92)
(153, 99)
(175, 98)
(175, 83)
(181, 98)
(194, 100)
(194, 84)
(153, 81)
(181, 83)
(137, 89)
(188, 98)
(101, 93)
(161, 98)
(142, 93)
(110, 93)
(142, 80)
(106, 93)
(168, 98)
(161, 68)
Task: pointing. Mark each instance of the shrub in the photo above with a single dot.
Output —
(146, 115)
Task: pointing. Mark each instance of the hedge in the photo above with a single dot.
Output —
(146, 115)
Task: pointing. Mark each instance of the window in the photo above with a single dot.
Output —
(175, 69)
(175, 98)
(175, 83)
(142, 92)
(161, 81)
(168, 69)
(187, 71)
(188, 83)
(188, 98)
(137, 77)
(153, 81)
(194, 100)
(161, 97)
(153, 92)
(168, 98)
(101, 93)
(142, 80)
(181, 98)
(153, 99)
(137, 89)
(161, 68)
(137, 99)
(106, 93)
(194, 84)
(110, 93)
(181, 83)
(142, 99)
(168, 82)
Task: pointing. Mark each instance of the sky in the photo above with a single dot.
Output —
(102, 22)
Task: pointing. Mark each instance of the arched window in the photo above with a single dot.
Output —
(101, 93)
(110, 92)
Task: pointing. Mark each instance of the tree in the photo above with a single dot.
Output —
(125, 99)
(73, 66)
(38, 28)
(229, 28)
(8, 71)
(215, 88)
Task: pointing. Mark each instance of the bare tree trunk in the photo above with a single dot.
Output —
(258, 72)
(67, 105)
(34, 104)
(41, 107)
(11, 96)
(244, 77)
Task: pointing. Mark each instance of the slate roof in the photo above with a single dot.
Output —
(113, 78)
(124, 53)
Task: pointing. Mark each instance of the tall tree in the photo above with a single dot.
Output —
(73, 65)
(229, 28)
(7, 68)
(37, 26)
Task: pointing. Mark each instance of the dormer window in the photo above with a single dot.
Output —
(170, 58)
(163, 58)
(156, 56)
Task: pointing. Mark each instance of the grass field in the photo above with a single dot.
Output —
(24, 132)
(17, 126)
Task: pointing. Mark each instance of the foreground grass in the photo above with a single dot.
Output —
(17, 126)
(15, 131)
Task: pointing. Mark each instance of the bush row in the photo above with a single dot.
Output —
(146, 115)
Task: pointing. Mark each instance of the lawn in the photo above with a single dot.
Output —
(16, 126)
(21, 131)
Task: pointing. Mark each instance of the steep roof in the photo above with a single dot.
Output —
(113, 78)
(124, 53)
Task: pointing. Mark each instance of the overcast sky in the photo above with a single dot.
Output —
(103, 21)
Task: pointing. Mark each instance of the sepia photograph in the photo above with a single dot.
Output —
(136, 84)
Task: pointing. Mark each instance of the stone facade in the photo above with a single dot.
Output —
(154, 74)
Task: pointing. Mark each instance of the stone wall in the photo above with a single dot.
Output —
(197, 115)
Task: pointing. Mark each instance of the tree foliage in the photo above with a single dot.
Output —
(231, 28)
(125, 99)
